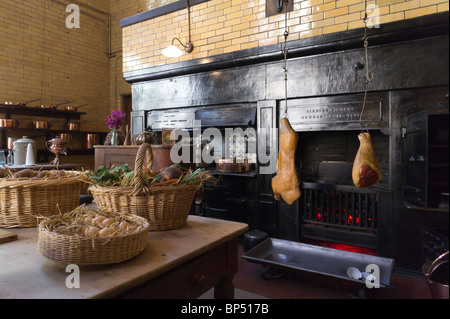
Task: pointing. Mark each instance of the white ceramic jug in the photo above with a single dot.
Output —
(20, 150)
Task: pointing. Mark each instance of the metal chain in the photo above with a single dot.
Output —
(369, 74)
(285, 53)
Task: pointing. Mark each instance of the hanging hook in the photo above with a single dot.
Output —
(369, 74)
(285, 53)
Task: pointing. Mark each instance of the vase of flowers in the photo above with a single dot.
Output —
(114, 121)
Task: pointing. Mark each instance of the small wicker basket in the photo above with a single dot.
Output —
(165, 207)
(22, 200)
(79, 250)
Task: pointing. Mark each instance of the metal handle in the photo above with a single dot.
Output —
(24, 104)
(61, 104)
(437, 260)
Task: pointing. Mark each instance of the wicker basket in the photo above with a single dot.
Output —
(75, 249)
(165, 207)
(24, 199)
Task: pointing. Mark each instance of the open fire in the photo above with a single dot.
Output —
(341, 209)
(344, 215)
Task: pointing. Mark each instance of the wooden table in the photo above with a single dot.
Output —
(180, 263)
(44, 166)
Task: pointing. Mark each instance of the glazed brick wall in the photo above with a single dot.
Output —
(222, 26)
(41, 58)
(119, 10)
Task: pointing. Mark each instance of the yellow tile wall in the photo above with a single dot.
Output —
(222, 26)
(41, 58)
(120, 9)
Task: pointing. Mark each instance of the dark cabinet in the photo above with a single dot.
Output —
(427, 156)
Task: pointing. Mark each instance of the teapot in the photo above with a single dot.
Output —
(145, 137)
(57, 146)
(20, 149)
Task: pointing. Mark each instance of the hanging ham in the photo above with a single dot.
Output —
(366, 169)
(285, 183)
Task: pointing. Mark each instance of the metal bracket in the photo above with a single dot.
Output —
(279, 5)
(404, 132)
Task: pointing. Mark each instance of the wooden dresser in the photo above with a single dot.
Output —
(108, 155)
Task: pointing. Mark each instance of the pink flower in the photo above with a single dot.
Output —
(114, 120)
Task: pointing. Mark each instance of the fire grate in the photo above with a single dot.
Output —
(340, 207)
(342, 213)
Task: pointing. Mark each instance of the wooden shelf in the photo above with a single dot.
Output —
(36, 111)
(20, 129)
(248, 174)
(9, 110)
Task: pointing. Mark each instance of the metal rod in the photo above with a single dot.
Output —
(366, 212)
(316, 206)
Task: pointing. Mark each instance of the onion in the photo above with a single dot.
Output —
(108, 221)
(99, 219)
(88, 220)
(107, 231)
(91, 231)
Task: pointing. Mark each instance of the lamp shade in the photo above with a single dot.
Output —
(172, 52)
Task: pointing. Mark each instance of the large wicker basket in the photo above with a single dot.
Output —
(24, 199)
(165, 207)
(79, 250)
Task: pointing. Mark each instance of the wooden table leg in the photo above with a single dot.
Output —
(224, 288)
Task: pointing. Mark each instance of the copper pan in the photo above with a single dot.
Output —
(9, 123)
(19, 103)
(42, 125)
(232, 165)
(13, 103)
(73, 108)
(52, 106)
(74, 126)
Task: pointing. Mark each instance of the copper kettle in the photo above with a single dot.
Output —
(57, 146)
(145, 137)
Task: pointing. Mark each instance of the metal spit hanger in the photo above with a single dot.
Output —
(369, 74)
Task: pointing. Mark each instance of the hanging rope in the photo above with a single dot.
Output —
(285, 53)
(369, 74)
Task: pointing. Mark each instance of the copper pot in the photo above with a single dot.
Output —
(42, 125)
(91, 140)
(57, 146)
(11, 141)
(73, 126)
(231, 165)
(66, 137)
(436, 273)
(9, 123)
